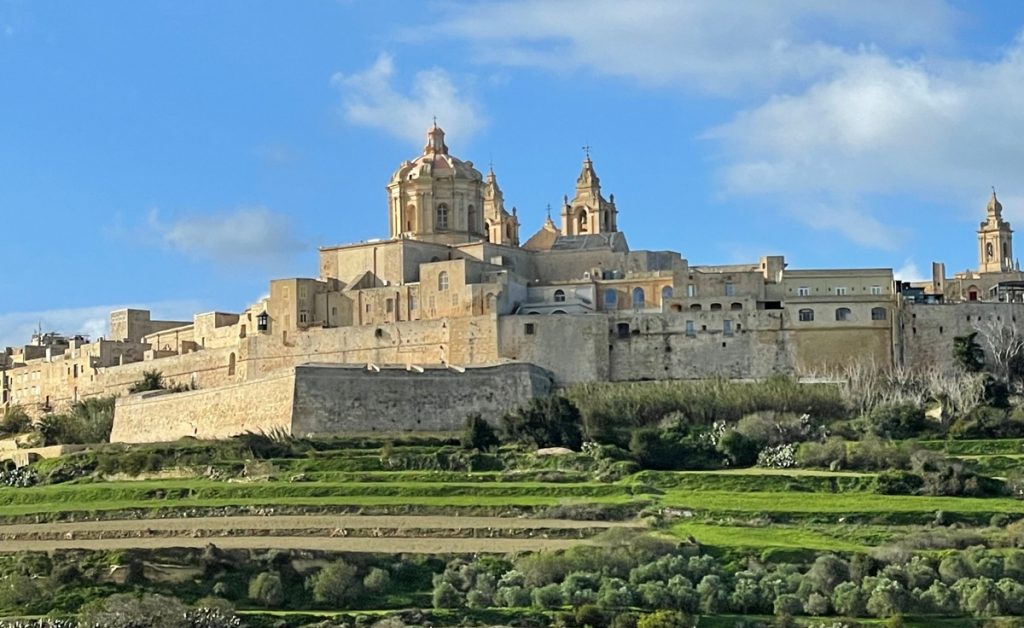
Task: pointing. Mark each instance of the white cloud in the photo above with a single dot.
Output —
(910, 272)
(244, 235)
(370, 98)
(16, 328)
(932, 131)
(721, 46)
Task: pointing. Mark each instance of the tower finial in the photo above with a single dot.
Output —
(549, 211)
(435, 122)
(586, 151)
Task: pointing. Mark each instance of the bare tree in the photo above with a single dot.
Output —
(1003, 342)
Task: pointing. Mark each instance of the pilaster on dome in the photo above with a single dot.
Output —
(435, 141)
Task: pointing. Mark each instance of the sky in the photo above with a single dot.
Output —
(177, 155)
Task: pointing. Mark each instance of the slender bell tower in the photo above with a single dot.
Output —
(588, 212)
(995, 240)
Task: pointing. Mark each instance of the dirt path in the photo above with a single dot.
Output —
(299, 522)
(333, 544)
(348, 533)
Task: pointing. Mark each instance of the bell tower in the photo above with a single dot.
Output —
(588, 212)
(995, 240)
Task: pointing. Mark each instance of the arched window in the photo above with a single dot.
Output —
(806, 315)
(442, 216)
(508, 231)
(695, 307)
(843, 314)
(471, 219)
(559, 312)
(559, 296)
(607, 219)
(442, 281)
(611, 298)
(988, 250)
(638, 297)
(231, 364)
(666, 293)
(878, 314)
(735, 307)
(715, 307)
(581, 220)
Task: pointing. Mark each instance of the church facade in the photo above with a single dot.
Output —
(455, 290)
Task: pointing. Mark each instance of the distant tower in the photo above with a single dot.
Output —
(995, 240)
(588, 212)
(502, 227)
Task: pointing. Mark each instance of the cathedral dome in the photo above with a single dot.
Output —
(435, 162)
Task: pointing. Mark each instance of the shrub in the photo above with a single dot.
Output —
(898, 483)
(377, 580)
(896, 421)
(669, 450)
(609, 407)
(590, 615)
(739, 449)
(151, 380)
(335, 584)
(267, 589)
(86, 422)
(551, 421)
(446, 596)
(478, 434)
(124, 610)
(15, 421)
(777, 457)
(787, 604)
(548, 597)
(663, 619)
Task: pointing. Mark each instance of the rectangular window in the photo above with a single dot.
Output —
(412, 302)
(840, 291)
(367, 308)
(689, 329)
(303, 316)
(876, 289)
(389, 306)
(303, 292)
(727, 327)
(804, 291)
(730, 289)
(529, 329)
(691, 290)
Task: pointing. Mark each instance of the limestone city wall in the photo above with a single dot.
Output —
(259, 406)
(338, 398)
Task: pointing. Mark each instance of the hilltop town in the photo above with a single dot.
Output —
(455, 313)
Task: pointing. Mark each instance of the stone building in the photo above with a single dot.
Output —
(452, 296)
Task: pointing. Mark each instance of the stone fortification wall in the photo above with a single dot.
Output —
(256, 406)
(335, 399)
(925, 332)
(573, 348)
(463, 342)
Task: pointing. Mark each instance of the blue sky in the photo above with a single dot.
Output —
(179, 154)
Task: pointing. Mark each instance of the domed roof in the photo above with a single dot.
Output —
(994, 206)
(436, 162)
